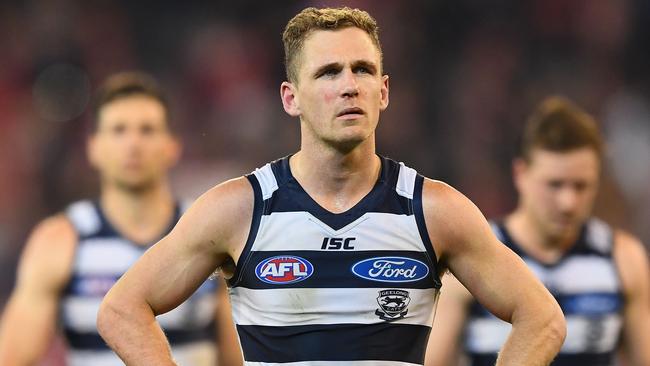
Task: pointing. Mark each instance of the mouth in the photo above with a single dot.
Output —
(352, 112)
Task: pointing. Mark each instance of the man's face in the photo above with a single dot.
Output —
(558, 189)
(132, 147)
(340, 90)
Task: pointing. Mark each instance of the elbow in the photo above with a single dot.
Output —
(109, 318)
(555, 328)
(105, 319)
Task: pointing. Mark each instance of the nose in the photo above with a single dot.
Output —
(567, 200)
(350, 87)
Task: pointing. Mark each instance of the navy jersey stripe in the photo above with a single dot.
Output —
(418, 209)
(591, 304)
(107, 230)
(341, 342)
(582, 359)
(291, 196)
(333, 269)
(93, 342)
(580, 247)
(258, 208)
(583, 304)
(90, 285)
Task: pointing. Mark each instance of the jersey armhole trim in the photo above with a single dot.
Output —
(258, 209)
(418, 211)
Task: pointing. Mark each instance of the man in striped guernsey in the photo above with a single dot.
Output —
(598, 275)
(72, 259)
(334, 253)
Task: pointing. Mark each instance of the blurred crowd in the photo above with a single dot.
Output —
(464, 76)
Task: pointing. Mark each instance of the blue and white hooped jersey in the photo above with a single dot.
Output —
(317, 288)
(585, 282)
(102, 256)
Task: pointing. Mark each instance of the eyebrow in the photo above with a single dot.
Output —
(337, 65)
(323, 68)
(367, 64)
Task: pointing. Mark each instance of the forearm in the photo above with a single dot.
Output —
(132, 332)
(534, 341)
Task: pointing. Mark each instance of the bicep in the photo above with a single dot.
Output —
(171, 270)
(494, 275)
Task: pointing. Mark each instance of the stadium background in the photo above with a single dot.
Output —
(464, 75)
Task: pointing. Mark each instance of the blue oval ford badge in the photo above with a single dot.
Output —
(391, 269)
(282, 270)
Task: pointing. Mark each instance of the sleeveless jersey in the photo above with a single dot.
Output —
(584, 282)
(102, 256)
(316, 288)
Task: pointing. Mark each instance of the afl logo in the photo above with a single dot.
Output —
(282, 270)
(391, 269)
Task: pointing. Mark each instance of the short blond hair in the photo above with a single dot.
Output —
(311, 19)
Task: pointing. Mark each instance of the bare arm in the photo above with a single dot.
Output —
(443, 347)
(632, 262)
(213, 229)
(495, 276)
(229, 350)
(29, 320)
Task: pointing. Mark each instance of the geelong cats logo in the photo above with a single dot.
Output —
(393, 304)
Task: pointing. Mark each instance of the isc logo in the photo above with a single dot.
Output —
(337, 243)
(283, 270)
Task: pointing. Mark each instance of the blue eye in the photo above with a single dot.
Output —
(330, 72)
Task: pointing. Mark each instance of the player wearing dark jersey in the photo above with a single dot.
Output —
(598, 275)
(333, 254)
(72, 259)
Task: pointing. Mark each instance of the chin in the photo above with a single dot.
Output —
(561, 231)
(134, 185)
(346, 145)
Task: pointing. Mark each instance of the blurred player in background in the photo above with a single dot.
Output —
(333, 254)
(598, 274)
(72, 259)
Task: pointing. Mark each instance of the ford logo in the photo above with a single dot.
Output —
(390, 269)
(282, 270)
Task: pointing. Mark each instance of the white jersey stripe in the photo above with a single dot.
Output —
(106, 256)
(266, 178)
(587, 273)
(399, 232)
(406, 181)
(487, 335)
(323, 306)
(84, 217)
(80, 313)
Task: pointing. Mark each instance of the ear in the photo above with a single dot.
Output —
(384, 93)
(175, 150)
(289, 98)
(519, 170)
(92, 150)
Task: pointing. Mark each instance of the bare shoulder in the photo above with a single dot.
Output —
(631, 259)
(49, 252)
(222, 215)
(452, 219)
(442, 201)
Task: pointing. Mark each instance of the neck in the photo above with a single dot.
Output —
(530, 234)
(336, 180)
(141, 215)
